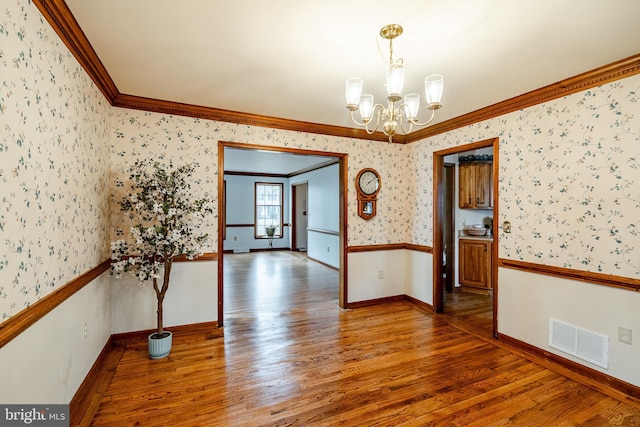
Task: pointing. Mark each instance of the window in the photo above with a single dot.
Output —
(268, 211)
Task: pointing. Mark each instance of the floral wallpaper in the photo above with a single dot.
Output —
(183, 139)
(569, 179)
(54, 131)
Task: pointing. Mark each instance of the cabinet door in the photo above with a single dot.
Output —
(475, 263)
(484, 185)
(466, 186)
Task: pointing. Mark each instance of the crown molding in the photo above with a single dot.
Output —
(57, 13)
(209, 113)
(596, 77)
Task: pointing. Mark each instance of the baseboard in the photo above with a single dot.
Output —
(376, 301)
(322, 263)
(421, 305)
(583, 374)
(193, 328)
(84, 402)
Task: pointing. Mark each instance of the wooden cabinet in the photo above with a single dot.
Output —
(475, 185)
(474, 267)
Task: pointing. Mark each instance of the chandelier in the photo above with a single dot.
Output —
(393, 113)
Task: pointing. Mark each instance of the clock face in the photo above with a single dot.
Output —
(368, 182)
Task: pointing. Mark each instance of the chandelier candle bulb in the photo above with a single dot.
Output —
(433, 86)
(412, 103)
(395, 81)
(353, 91)
(366, 107)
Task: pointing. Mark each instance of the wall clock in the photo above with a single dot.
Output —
(367, 185)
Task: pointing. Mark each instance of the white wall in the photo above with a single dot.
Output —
(48, 362)
(364, 274)
(419, 268)
(323, 187)
(192, 298)
(241, 210)
(404, 272)
(528, 300)
(323, 213)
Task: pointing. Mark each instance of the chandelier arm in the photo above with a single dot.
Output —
(366, 124)
(415, 122)
(377, 118)
(354, 119)
(405, 131)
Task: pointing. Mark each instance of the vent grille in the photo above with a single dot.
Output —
(578, 342)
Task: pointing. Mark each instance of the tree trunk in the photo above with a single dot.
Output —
(160, 293)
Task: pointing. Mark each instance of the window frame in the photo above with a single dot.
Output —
(279, 232)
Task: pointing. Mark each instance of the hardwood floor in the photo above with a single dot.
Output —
(289, 356)
(470, 309)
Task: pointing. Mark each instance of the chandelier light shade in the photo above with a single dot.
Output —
(412, 105)
(353, 91)
(433, 87)
(366, 107)
(392, 114)
(395, 80)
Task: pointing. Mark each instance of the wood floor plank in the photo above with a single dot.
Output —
(290, 357)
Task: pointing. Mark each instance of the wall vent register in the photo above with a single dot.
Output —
(578, 342)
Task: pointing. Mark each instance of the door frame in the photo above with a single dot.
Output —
(343, 288)
(450, 193)
(438, 212)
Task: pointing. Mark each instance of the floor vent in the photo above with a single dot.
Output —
(586, 345)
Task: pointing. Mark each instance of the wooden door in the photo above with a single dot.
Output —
(299, 218)
(483, 185)
(466, 184)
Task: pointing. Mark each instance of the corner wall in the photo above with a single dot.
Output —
(54, 208)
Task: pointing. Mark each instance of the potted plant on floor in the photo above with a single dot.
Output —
(271, 230)
(165, 216)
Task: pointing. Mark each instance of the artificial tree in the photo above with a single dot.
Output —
(165, 217)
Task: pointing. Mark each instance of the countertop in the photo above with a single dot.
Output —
(462, 235)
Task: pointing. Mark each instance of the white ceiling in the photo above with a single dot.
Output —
(271, 162)
(290, 58)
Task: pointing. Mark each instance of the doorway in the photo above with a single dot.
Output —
(299, 217)
(342, 209)
(442, 204)
(448, 227)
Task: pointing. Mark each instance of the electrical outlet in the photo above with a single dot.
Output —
(624, 335)
(506, 226)
(381, 274)
(85, 330)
